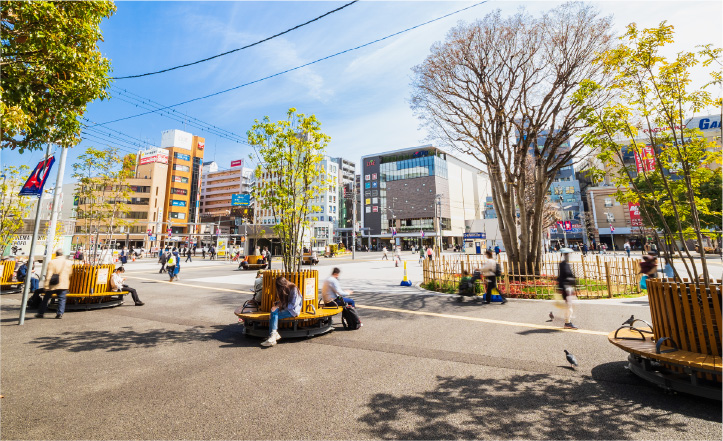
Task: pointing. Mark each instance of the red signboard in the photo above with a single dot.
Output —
(645, 160)
(635, 219)
(201, 145)
(237, 163)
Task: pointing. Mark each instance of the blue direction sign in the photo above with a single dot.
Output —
(243, 200)
(475, 235)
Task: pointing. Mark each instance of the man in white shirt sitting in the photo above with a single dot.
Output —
(331, 290)
(117, 283)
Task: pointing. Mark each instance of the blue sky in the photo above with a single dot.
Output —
(361, 97)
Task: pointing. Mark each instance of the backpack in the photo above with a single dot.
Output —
(350, 319)
(171, 261)
(498, 270)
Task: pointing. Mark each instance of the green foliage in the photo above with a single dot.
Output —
(653, 91)
(13, 207)
(51, 69)
(289, 176)
(102, 191)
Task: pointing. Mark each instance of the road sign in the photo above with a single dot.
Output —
(35, 183)
(471, 235)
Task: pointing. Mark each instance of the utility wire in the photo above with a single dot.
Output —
(238, 49)
(294, 68)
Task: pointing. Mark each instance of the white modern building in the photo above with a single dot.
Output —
(225, 191)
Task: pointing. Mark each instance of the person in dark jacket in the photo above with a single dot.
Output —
(566, 283)
(162, 259)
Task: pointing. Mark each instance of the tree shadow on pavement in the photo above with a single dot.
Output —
(127, 338)
(537, 406)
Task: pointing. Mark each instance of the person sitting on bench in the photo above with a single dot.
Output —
(287, 304)
(244, 263)
(258, 289)
(117, 283)
(332, 293)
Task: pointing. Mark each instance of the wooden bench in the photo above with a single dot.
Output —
(681, 350)
(253, 263)
(7, 270)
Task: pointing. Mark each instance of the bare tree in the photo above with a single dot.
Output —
(506, 89)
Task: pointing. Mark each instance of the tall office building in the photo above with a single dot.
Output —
(183, 188)
(220, 188)
(400, 202)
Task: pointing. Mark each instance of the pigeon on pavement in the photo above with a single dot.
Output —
(629, 321)
(552, 316)
(571, 359)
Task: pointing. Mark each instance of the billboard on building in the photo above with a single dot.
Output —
(645, 160)
(243, 200)
(635, 219)
(154, 155)
(237, 163)
(176, 138)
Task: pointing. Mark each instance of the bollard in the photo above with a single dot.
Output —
(405, 280)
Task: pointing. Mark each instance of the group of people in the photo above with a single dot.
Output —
(57, 282)
(170, 261)
(288, 300)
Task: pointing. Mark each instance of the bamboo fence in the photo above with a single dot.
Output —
(597, 276)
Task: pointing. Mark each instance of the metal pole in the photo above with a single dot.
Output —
(353, 223)
(31, 255)
(50, 239)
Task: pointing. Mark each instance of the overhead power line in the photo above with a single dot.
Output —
(238, 49)
(293, 68)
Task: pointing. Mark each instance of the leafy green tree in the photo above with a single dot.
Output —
(289, 176)
(13, 207)
(102, 193)
(51, 68)
(653, 91)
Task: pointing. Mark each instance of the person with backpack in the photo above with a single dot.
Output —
(566, 283)
(212, 251)
(287, 303)
(491, 271)
(57, 281)
(422, 251)
(466, 285)
(333, 294)
(497, 251)
(171, 267)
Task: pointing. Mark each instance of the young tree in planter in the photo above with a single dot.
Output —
(504, 89)
(671, 164)
(13, 207)
(289, 176)
(102, 193)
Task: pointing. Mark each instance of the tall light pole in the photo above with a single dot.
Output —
(438, 218)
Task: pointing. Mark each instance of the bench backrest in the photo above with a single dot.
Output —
(306, 280)
(7, 268)
(89, 279)
(688, 313)
(252, 260)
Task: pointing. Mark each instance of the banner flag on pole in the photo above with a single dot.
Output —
(35, 183)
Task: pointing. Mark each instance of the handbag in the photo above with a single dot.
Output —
(54, 279)
(643, 282)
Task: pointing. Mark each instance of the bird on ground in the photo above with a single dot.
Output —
(571, 359)
(629, 321)
(552, 316)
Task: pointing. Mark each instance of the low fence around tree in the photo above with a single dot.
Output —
(597, 276)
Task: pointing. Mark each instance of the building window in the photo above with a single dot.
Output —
(175, 215)
(608, 202)
(183, 168)
(610, 217)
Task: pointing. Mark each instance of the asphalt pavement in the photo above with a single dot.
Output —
(423, 366)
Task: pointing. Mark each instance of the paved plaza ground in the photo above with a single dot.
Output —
(424, 366)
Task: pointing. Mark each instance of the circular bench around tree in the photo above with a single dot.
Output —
(90, 288)
(314, 319)
(681, 349)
